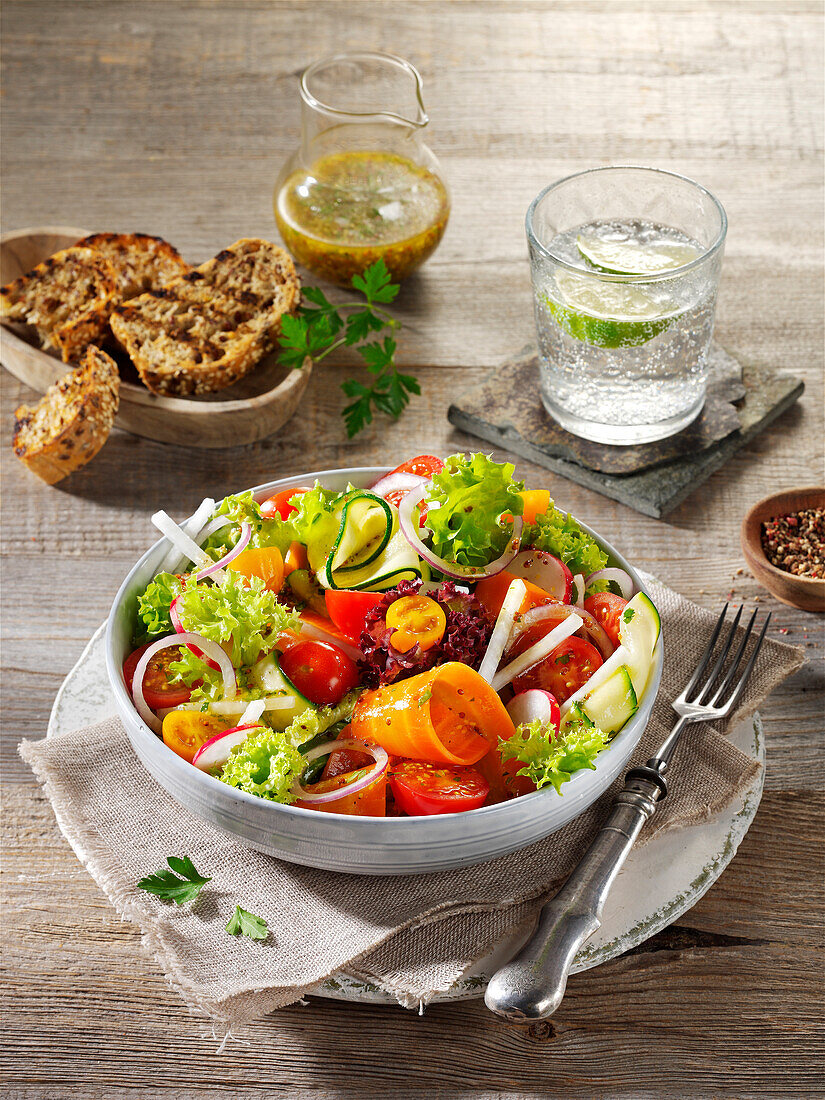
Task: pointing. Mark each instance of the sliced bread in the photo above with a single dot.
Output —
(140, 262)
(67, 298)
(72, 421)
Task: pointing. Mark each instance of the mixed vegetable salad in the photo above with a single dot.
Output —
(441, 641)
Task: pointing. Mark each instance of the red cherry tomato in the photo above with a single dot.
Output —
(563, 671)
(349, 610)
(320, 671)
(157, 691)
(607, 610)
(420, 788)
(279, 505)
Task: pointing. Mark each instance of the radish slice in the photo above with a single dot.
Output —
(399, 482)
(543, 648)
(375, 751)
(618, 577)
(214, 753)
(173, 560)
(179, 538)
(215, 568)
(534, 703)
(578, 590)
(209, 648)
(594, 630)
(502, 630)
(545, 571)
(410, 528)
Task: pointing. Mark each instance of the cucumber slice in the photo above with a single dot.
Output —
(268, 676)
(611, 704)
(639, 629)
(398, 562)
(366, 524)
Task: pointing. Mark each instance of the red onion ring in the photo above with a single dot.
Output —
(451, 569)
(210, 648)
(215, 752)
(238, 548)
(393, 483)
(551, 610)
(618, 576)
(174, 615)
(214, 525)
(375, 751)
(579, 588)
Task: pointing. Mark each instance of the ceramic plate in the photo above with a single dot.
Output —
(676, 868)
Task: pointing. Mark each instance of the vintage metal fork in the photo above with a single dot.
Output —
(532, 985)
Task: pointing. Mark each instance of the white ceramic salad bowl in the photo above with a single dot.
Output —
(360, 845)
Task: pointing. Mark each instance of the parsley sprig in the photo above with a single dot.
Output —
(179, 888)
(321, 327)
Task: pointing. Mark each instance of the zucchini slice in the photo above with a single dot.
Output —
(267, 674)
(639, 629)
(397, 562)
(366, 525)
(612, 703)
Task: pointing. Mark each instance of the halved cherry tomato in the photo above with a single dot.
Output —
(349, 610)
(279, 504)
(184, 731)
(415, 620)
(345, 760)
(419, 788)
(423, 465)
(369, 802)
(157, 690)
(563, 671)
(264, 562)
(492, 590)
(607, 610)
(320, 671)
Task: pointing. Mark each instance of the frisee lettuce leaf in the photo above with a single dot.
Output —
(472, 493)
(240, 611)
(265, 532)
(559, 534)
(547, 759)
(153, 608)
(266, 764)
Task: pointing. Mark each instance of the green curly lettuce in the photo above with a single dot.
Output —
(268, 763)
(547, 759)
(265, 531)
(153, 608)
(473, 493)
(239, 611)
(559, 534)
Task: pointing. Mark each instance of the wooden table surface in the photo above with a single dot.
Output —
(173, 118)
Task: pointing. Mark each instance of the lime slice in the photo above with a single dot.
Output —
(609, 315)
(629, 258)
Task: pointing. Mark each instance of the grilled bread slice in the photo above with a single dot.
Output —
(67, 298)
(187, 339)
(209, 328)
(72, 421)
(258, 274)
(140, 262)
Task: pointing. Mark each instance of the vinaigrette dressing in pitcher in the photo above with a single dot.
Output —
(363, 185)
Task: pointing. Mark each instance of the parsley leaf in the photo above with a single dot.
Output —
(179, 888)
(247, 924)
(628, 615)
(322, 326)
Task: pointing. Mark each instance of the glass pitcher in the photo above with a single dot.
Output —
(362, 185)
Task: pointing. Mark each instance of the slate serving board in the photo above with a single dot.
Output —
(652, 478)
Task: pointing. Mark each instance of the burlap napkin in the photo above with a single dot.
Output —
(411, 935)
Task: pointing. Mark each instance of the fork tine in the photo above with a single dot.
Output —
(737, 657)
(700, 668)
(740, 687)
(702, 700)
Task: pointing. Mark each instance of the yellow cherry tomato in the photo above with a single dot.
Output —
(184, 731)
(415, 620)
(261, 561)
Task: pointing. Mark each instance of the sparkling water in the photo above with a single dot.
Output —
(623, 343)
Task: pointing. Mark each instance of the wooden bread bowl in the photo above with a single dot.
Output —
(253, 409)
(806, 593)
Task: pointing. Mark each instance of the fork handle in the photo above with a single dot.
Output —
(531, 986)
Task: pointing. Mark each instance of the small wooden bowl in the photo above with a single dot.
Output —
(252, 409)
(806, 593)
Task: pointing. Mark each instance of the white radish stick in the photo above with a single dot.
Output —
(185, 543)
(537, 652)
(502, 630)
(192, 526)
(253, 712)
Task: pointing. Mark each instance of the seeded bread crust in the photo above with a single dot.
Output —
(67, 298)
(72, 421)
(140, 262)
(210, 328)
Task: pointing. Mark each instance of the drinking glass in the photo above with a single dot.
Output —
(625, 265)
